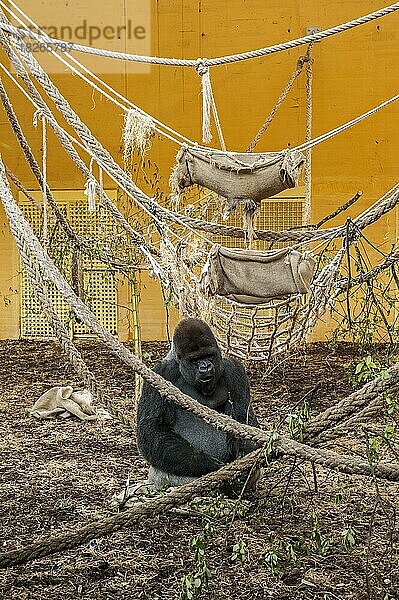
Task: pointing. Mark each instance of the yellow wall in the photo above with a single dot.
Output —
(353, 72)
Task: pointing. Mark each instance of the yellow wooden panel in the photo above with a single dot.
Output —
(152, 312)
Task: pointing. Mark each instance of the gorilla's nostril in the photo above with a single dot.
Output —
(205, 367)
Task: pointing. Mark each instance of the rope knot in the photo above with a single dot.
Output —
(202, 66)
(39, 114)
(304, 59)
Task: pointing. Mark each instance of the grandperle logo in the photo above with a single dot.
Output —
(90, 33)
(132, 35)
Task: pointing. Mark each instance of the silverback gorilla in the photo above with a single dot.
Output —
(178, 445)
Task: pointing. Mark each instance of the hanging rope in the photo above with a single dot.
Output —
(222, 60)
(91, 190)
(347, 125)
(126, 105)
(38, 115)
(208, 104)
(298, 70)
(44, 189)
(308, 153)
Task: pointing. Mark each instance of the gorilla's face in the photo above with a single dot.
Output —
(201, 370)
(198, 355)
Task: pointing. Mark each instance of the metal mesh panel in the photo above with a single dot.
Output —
(100, 295)
(33, 323)
(275, 214)
(99, 286)
(89, 223)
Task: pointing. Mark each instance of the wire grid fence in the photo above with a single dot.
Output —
(99, 286)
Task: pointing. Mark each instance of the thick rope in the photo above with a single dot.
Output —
(173, 135)
(178, 497)
(28, 243)
(148, 250)
(369, 216)
(356, 401)
(211, 62)
(95, 148)
(373, 408)
(92, 145)
(98, 528)
(307, 213)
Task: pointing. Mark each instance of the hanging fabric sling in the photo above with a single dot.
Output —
(254, 276)
(236, 176)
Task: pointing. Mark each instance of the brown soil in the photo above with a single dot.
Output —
(61, 474)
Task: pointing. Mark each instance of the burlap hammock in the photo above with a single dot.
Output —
(254, 276)
(238, 177)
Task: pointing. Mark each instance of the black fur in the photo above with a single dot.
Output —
(172, 439)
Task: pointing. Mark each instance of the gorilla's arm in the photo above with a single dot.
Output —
(239, 406)
(156, 440)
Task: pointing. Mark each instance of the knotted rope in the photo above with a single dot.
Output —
(307, 213)
(40, 115)
(222, 60)
(91, 190)
(208, 104)
(298, 70)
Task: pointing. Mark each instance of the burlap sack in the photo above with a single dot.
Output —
(237, 176)
(253, 276)
(64, 402)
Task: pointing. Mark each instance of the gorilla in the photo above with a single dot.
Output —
(178, 445)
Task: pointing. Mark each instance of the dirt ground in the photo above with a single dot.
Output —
(303, 535)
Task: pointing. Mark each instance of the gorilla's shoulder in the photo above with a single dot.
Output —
(232, 368)
(169, 369)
